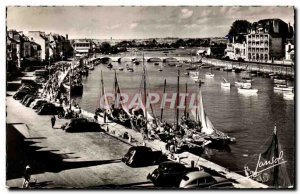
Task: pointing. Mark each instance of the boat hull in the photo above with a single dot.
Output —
(247, 90)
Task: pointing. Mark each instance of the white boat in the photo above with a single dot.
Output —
(209, 75)
(281, 87)
(225, 83)
(193, 73)
(243, 84)
(279, 81)
(288, 95)
(247, 90)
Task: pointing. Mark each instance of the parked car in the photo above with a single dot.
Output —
(139, 156)
(168, 174)
(23, 91)
(48, 109)
(201, 179)
(82, 125)
(37, 102)
(29, 100)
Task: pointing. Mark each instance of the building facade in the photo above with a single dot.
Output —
(41, 39)
(82, 47)
(266, 40)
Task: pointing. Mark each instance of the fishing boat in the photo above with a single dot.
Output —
(207, 131)
(74, 87)
(225, 83)
(237, 70)
(288, 95)
(171, 64)
(271, 165)
(156, 64)
(121, 69)
(179, 65)
(117, 112)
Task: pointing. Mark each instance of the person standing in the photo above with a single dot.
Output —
(53, 119)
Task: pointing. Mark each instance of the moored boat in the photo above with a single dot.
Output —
(225, 83)
(281, 87)
(288, 95)
(247, 90)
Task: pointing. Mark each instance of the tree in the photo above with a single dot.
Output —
(105, 47)
(238, 29)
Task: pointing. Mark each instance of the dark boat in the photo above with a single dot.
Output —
(109, 66)
(271, 166)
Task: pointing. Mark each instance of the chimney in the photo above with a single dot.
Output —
(67, 37)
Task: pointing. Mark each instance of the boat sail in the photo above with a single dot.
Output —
(271, 166)
(207, 130)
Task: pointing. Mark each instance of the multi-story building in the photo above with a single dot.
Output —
(266, 39)
(41, 39)
(82, 47)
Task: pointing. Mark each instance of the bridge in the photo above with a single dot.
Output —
(146, 58)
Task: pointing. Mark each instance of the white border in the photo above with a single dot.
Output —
(5, 3)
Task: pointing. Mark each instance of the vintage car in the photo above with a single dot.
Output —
(49, 109)
(201, 179)
(139, 156)
(82, 125)
(168, 174)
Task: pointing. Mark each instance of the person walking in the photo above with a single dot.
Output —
(53, 119)
(27, 175)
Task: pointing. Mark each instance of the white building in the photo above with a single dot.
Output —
(236, 51)
(82, 47)
(289, 51)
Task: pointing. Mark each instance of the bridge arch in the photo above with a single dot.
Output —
(154, 59)
(124, 59)
(105, 60)
(171, 59)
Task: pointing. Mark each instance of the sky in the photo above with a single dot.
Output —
(100, 22)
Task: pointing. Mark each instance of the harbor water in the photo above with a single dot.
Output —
(250, 119)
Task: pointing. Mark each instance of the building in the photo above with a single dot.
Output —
(82, 47)
(236, 51)
(41, 39)
(289, 51)
(266, 40)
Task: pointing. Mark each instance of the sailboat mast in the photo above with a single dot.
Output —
(177, 101)
(162, 108)
(185, 113)
(115, 88)
(145, 92)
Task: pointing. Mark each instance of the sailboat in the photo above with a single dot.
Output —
(271, 166)
(225, 83)
(116, 112)
(210, 74)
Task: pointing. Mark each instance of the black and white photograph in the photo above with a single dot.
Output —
(150, 97)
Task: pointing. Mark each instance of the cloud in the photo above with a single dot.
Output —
(133, 25)
(116, 26)
(186, 13)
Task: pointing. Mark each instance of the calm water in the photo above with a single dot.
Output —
(250, 119)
